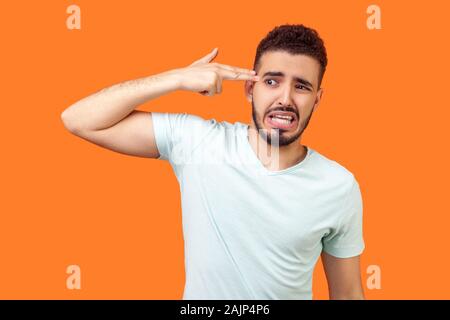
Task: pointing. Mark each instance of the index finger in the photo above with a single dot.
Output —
(232, 75)
(236, 69)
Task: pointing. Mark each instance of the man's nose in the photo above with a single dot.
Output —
(286, 98)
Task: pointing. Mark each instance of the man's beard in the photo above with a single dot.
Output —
(278, 134)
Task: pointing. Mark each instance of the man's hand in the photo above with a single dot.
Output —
(206, 78)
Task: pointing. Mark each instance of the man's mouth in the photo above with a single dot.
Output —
(285, 120)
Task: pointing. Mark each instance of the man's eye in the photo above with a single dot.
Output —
(301, 86)
(298, 87)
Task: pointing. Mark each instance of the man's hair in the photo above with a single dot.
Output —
(295, 39)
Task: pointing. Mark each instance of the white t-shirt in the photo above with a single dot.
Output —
(252, 233)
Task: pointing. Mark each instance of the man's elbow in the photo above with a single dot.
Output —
(68, 123)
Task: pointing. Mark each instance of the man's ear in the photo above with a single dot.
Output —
(248, 88)
(318, 98)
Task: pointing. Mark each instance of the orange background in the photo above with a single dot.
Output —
(66, 201)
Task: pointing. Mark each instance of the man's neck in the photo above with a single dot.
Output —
(275, 158)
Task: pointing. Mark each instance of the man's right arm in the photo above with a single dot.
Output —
(108, 117)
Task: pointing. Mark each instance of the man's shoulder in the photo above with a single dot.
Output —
(202, 129)
(217, 128)
(209, 122)
(331, 169)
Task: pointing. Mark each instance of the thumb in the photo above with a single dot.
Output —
(206, 59)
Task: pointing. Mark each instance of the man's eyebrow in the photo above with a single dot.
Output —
(281, 74)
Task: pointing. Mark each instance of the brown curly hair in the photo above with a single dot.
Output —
(295, 39)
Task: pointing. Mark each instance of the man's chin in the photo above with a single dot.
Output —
(284, 137)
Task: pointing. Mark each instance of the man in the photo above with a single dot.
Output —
(254, 223)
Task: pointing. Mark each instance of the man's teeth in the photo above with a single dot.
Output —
(282, 119)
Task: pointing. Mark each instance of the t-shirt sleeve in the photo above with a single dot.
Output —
(177, 135)
(347, 239)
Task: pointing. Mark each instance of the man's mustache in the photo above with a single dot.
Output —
(287, 109)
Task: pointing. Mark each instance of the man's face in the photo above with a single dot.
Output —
(285, 97)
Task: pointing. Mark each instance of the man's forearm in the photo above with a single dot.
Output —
(108, 106)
